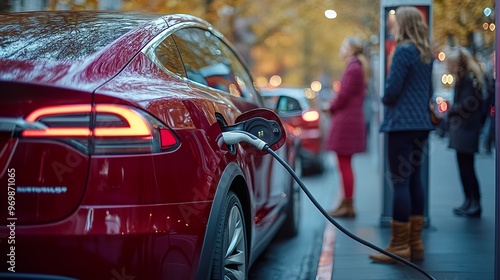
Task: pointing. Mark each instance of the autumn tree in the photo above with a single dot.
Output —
(294, 39)
(463, 24)
(74, 5)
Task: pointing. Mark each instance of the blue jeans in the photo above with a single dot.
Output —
(406, 150)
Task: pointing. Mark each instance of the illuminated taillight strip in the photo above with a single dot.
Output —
(134, 132)
(57, 110)
(138, 127)
(57, 131)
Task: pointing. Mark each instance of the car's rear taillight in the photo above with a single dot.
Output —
(310, 116)
(101, 129)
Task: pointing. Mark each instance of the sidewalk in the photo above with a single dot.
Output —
(456, 247)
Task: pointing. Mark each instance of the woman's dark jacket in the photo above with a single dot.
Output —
(408, 90)
(465, 116)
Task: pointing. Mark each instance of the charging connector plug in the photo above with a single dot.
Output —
(235, 137)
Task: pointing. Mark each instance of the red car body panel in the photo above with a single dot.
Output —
(143, 215)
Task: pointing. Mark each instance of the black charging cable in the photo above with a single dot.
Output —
(237, 136)
(337, 225)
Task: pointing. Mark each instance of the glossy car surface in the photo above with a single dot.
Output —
(112, 156)
(294, 108)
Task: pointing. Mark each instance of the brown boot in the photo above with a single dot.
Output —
(400, 243)
(345, 209)
(417, 248)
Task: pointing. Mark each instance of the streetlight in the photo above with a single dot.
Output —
(330, 14)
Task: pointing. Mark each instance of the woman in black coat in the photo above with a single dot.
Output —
(465, 123)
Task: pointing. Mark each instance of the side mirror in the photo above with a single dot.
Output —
(262, 123)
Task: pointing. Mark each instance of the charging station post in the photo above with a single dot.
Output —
(387, 17)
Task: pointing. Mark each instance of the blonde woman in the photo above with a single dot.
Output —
(465, 123)
(407, 124)
(347, 135)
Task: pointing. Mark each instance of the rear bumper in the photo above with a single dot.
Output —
(145, 242)
(312, 141)
(310, 158)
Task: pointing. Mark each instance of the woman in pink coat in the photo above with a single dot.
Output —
(347, 135)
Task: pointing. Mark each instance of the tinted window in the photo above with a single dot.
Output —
(210, 62)
(288, 104)
(61, 36)
(167, 57)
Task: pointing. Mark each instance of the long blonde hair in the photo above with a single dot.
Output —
(465, 63)
(357, 46)
(412, 27)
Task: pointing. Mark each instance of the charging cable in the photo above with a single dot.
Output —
(234, 137)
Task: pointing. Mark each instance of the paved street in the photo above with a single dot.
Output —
(456, 247)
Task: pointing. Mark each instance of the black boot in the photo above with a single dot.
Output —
(465, 205)
(469, 195)
(474, 209)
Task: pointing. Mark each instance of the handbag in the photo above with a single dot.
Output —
(435, 118)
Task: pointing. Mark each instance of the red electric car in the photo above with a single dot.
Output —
(304, 119)
(112, 159)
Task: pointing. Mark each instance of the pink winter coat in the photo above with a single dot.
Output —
(347, 134)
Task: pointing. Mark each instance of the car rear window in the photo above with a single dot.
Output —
(61, 35)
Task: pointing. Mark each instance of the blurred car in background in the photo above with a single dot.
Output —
(304, 120)
(112, 154)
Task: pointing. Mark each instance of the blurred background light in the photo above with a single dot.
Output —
(441, 56)
(275, 81)
(310, 94)
(487, 11)
(330, 14)
(316, 86)
(336, 86)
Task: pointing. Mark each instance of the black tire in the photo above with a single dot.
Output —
(290, 227)
(231, 228)
(313, 166)
(318, 166)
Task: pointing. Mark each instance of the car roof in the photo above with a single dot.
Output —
(296, 93)
(76, 49)
(79, 49)
(63, 35)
